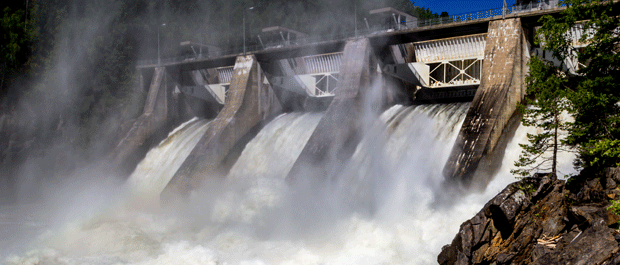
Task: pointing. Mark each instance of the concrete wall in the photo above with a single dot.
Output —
(337, 134)
(249, 101)
(502, 86)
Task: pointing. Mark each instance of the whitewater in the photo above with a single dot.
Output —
(386, 207)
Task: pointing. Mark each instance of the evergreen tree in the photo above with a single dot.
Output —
(592, 87)
(543, 109)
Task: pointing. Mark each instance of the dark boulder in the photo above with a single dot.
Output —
(542, 220)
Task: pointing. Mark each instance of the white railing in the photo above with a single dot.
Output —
(465, 47)
(323, 63)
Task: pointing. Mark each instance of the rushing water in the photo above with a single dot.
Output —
(381, 210)
(159, 165)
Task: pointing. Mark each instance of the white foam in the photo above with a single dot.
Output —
(183, 253)
(160, 164)
(396, 171)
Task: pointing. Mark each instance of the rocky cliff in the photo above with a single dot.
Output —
(543, 220)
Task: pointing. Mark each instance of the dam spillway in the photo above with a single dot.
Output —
(486, 62)
(253, 216)
(154, 172)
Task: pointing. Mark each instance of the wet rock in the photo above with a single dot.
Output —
(539, 220)
(589, 215)
(449, 255)
(613, 261)
(540, 250)
(611, 178)
(591, 192)
(480, 232)
(594, 246)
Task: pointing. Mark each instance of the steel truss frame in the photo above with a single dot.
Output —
(323, 86)
(325, 69)
(453, 61)
(456, 73)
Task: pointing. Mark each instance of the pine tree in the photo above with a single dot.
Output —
(590, 91)
(543, 108)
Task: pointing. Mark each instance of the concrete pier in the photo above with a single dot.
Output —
(249, 101)
(337, 134)
(154, 119)
(502, 86)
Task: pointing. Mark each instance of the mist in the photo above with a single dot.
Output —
(385, 211)
(78, 93)
(62, 206)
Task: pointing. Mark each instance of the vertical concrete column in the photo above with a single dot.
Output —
(337, 134)
(153, 118)
(248, 102)
(502, 86)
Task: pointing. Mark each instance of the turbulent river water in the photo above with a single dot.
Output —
(386, 207)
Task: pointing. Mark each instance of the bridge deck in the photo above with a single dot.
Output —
(447, 30)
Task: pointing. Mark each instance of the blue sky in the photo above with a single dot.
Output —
(455, 7)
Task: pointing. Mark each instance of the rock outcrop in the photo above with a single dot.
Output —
(542, 220)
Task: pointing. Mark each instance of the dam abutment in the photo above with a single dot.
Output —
(502, 86)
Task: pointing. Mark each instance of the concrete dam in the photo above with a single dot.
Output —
(337, 151)
(483, 61)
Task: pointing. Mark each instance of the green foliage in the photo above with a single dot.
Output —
(528, 188)
(15, 39)
(602, 153)
(423, 14)
(537, 210)
(543, 109)
(615, 208)
(592, 91)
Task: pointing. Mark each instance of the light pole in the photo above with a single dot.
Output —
(355, 20)
(158, 57)
(244, 27)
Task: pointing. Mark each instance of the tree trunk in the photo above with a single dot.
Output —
(555, 142)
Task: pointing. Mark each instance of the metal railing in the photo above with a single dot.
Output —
(471, 16)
